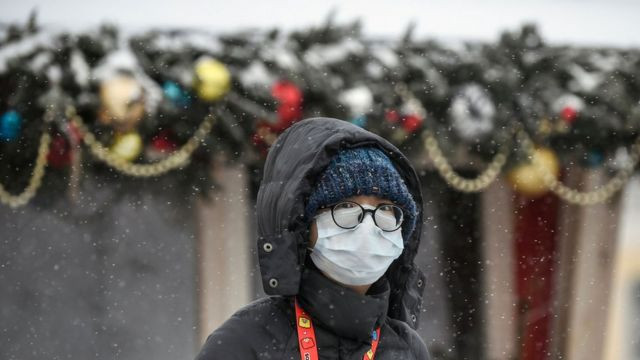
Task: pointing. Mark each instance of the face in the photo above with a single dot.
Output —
(362, 200)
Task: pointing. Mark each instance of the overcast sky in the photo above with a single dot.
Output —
(586, 22)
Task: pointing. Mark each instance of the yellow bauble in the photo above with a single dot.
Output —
(127, 146)
(212, 80)
(527, 179)
(122, 102)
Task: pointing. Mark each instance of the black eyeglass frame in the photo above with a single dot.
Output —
(364, 213)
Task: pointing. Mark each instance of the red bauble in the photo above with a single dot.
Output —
(289, 98)
(569, 114)
(163, 142)
(59, 154)
(392, 116)
(411, 123)
(286, 92)
(289, 110)
(288, 114)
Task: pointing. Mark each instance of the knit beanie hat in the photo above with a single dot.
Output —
(363, 170)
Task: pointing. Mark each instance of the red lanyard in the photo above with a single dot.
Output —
(307, 337)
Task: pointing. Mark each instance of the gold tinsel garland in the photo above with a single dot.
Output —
(182, 156)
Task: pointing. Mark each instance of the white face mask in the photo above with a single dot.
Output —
(357, 256)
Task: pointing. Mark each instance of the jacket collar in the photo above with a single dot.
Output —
(341, 310)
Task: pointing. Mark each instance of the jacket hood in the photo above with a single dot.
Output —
(294, 162)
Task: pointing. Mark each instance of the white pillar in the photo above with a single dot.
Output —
(621, 339)
(224, 243)
(499, 271)
(591, 283)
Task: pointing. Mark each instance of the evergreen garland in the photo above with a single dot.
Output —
(584, 103)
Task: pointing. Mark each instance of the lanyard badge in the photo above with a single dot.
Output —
(307, 337)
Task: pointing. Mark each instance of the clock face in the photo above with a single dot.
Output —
(472, 112)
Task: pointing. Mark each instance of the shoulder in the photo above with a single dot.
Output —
(410, 337)
(270, 306)
(263, 326)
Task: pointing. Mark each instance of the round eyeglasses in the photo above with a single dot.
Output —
(348, 214)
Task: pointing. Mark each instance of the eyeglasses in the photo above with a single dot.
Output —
(348, 214)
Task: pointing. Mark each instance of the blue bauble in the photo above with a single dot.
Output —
(176, 94)
(360, 121)
(594, 158)
(10, 124)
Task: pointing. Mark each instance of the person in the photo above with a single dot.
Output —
(339, 214)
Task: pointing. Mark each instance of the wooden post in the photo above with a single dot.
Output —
(500, 311)
(223, 248)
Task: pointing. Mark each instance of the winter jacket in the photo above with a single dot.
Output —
(343, 319)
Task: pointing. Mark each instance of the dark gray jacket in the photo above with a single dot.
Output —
(343, 319)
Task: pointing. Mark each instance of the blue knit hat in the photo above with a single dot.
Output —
(363, 171)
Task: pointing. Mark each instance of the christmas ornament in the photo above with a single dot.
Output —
(289, 99)
(567, 107)
(212, 79)
(123, 61)
(528, 180)
(360, 121)
(411, 123)
(289, 110)
(391, 116)
(122, 102)
(341, 74)
(127, 145)
(10, 124)
(472, 112)
(176, 94)
(569, 114)
(594, 158)
(162, 144)
(59, 155)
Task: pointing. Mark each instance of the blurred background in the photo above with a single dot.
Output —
(133, 136)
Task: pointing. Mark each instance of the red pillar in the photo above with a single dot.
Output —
(535, 234)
